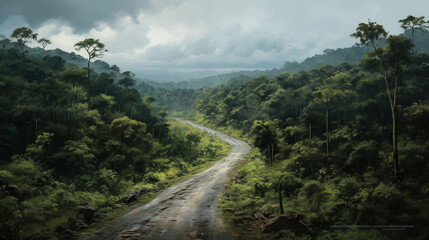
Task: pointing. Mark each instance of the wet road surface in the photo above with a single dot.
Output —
(185, 211)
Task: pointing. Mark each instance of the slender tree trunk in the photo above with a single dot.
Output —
(89, 86)
(393, 103)
(272, 154)
(327, 129)
(395, 143)
(36, 130)
(23, 53)
(309, 134)
(382, 123)
(395, 124)
(279, 189)
(269, 154)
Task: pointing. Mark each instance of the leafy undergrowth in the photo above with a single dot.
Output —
(33, 201)
(341, 207)
(231, 131)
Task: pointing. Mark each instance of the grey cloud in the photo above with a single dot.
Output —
(236, 43)
(221, 33)
(247, 44)
(203, 46)
(82, 15)
(165, 53)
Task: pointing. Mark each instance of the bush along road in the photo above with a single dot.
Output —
(186, 211)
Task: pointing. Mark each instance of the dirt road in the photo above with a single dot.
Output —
(185, 211)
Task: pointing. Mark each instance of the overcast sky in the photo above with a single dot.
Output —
(204, 34)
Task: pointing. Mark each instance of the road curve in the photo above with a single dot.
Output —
(185, 211)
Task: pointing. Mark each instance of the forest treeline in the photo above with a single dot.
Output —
(72, 136)
(347, 145)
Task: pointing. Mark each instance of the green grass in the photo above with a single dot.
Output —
(236, 133)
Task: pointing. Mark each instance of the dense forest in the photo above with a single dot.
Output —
(73, 137)
(343, 144)
(346, 146)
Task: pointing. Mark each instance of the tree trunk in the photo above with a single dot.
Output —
(395, 143)
(327, 129)
(279, 189)
(271, 153)
(382, 123)
(89, 86)
(23, 53)
(393, 103)
(309, 134)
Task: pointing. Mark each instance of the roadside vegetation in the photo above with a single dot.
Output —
(346, 146)
(73, 136)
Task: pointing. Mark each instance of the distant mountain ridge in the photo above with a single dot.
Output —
(352, 55)
(71, 58)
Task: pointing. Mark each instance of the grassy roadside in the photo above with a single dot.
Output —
(237, 204)
(236, 133)
(166, 180)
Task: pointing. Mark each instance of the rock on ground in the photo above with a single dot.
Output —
(85, 213)
(290, 220)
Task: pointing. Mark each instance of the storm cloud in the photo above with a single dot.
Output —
(81, 15)
(204, 33)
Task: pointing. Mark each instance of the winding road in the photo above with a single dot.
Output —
(184, 211)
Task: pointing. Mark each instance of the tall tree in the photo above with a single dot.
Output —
(128, 79)
(95, 49)
(370, 32)
(23, 35)
(328, 96)
(265, 138)
(390, 62)
(414, 24)
(44, 42)
(4, 42)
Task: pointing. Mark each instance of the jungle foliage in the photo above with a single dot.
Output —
(60, 148)
(324, 141)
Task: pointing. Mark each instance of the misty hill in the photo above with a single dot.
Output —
(70, 58)
(352, 55)
(172, 75)
(174, 80)
(333, 57)
(213, 81)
